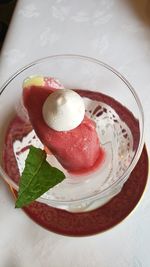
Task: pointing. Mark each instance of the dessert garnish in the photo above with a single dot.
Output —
(37, 178)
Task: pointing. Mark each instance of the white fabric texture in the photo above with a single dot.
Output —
(118, 33)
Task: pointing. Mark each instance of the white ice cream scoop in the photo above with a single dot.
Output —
(63, 110)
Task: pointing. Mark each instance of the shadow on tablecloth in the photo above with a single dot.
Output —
(141, 9)
(6, 10)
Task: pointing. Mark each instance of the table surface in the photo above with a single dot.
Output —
(118, 33)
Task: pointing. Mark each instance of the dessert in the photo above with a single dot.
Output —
(57, 116)
(103, 128)
(112, 109)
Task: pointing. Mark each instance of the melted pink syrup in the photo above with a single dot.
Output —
(18, 129)
(100, 160)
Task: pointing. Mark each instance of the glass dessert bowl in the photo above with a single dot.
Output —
(110, 101)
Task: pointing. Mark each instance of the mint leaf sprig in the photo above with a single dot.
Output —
(37, 178)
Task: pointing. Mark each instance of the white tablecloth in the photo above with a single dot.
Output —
(114, 31)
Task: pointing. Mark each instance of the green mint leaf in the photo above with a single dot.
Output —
(37, 178)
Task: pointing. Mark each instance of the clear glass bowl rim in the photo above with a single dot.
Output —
(136, 157)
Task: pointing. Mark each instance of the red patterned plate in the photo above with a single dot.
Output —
(96, 221)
